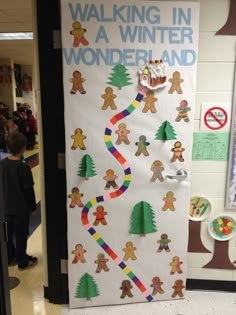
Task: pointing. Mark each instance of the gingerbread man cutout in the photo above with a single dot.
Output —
(177, 152)
(169, 201)
(75, 197)
(183, 110)
(102, 263)
(142, 146)
(77, 81)
(109, 99)
(129, 251)
(126, 289)
(100, 216)
(111, 180)
(157, 168)
(122, 133)
(175, 83)
(156, 285)
(175, 265)
(178, 287)
(149, 102)
(78, 138)
(79, 254)
(78, 34)
(164, 241)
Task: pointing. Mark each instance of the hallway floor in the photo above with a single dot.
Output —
(28, 297)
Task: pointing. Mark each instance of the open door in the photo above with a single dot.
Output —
(129, 88)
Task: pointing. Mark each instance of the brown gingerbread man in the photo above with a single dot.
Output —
(122, 133)
(75, 197)
(149, 102)
(111, 180)
(102, 263)
(77, 82)
(175, 83)
(100, 216)
(169, 201)
(157, 168)
(156, 285)
(129, 251)
(109, 99)
(178, 287)
(177, 152)
(78, 138)
(126, 289)
(79, 254)
(78, 34)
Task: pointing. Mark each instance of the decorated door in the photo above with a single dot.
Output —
(129, 89)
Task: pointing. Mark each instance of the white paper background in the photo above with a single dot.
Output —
(84, 111)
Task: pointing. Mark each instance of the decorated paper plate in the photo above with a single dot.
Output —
(199, 208)
(222, 228)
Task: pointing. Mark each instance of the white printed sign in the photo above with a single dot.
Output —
(215, 117)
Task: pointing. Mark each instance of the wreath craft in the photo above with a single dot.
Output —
(222, 228)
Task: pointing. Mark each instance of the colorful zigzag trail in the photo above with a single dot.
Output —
(116, 193)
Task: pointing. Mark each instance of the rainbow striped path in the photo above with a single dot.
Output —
(116, 193)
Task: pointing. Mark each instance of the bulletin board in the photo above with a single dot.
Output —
(127, 135)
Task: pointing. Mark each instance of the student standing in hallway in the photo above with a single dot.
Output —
(19, 200)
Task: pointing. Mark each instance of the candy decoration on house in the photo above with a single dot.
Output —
(165, 132)
(109, 99)
(77, 83)
(78, 138)
(75, 197)
(183, 110)
(86, 167)
(142, 219)
(78, 34)
(119, 77)
(78, 253)
(222, 229)
(5, 74)
(199, 210)
(153, 74)
(176, 83)
(149, 100)
(230, 26)
(87, 287)
(157, 168)
(142, 146)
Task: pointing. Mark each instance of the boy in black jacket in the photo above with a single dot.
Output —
(19, 200)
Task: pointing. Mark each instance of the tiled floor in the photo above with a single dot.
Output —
(28, 297)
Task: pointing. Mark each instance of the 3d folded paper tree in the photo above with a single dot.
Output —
(165, 132)
(119, 77)
(142, 219)
(87, 287)
(86, 167)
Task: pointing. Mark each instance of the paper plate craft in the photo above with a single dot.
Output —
(199, 208)
(153, 74)
(222, 228)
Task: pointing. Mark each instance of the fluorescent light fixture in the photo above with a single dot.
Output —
(13, 36)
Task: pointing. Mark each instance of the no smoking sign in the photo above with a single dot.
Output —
(215, 118)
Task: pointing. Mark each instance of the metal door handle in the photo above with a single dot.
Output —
(181, 174)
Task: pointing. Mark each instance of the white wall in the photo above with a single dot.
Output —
(215, 79)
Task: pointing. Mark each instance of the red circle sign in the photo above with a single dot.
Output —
(215, 118)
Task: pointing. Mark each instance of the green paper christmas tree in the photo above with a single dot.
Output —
(86, 167)
(119, 77)
(165, 132)
(86, 287)
(142, 219)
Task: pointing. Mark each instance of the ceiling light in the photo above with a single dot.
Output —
(13, 36)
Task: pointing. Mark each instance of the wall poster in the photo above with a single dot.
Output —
(129, 72)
